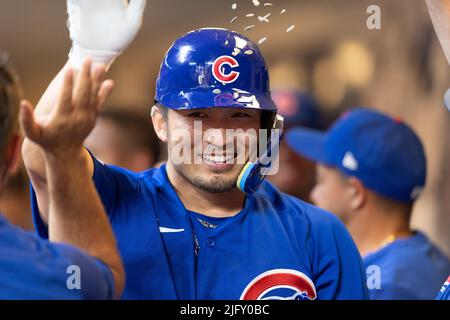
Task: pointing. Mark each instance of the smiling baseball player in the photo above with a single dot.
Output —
(209, 228)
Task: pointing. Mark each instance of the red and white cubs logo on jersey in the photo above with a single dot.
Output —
(280, 284)
(220, 73)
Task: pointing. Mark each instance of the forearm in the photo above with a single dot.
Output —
(439, 9)
(440, 16)
(76, 214)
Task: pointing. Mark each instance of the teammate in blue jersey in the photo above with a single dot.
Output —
(371, 168)
(444, 293)
(33, 268)
(205, 225)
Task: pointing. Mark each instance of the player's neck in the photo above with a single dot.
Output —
(372, 229)
(217, 205)
(14, 205)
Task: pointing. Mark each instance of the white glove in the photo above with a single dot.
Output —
(102, 29)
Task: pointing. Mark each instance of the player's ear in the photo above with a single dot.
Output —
(357, 193)
(159, 120)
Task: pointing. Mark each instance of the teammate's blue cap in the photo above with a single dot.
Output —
(382, 152)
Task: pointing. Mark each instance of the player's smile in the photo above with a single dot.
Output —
(219, 162)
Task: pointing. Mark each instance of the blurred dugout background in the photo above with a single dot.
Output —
(399, 69)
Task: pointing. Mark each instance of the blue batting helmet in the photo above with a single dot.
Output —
(214, 68)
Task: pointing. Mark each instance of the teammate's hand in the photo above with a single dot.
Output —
(102, 29)
(75, 114)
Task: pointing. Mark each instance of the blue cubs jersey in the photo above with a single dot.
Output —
(409, 269)
(33, 268)
(444, 293)
(277, 247)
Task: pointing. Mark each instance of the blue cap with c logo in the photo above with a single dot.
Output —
(381, 151)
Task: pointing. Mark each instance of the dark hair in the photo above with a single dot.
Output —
(9, 101)
(137, 129)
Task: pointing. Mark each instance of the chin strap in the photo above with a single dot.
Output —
(253, 173)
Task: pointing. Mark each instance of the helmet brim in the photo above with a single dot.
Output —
(203, 98)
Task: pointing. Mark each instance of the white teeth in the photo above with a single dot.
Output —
(218, 159)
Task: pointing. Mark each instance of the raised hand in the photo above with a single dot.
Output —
(75, 113)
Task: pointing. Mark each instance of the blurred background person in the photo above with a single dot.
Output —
(371, 168)
(440, 15)
(296, 174)
(15, 199)
(125, 138)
